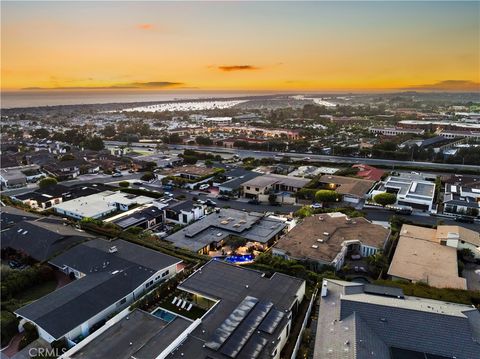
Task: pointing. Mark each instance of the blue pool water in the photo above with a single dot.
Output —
(164, 315)
(239, 259)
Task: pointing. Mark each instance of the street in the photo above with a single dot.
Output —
(298, 156)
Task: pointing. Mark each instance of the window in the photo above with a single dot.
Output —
(257, 189)
(149, 284)
(165, 273)
(248, 188)
(122, 301)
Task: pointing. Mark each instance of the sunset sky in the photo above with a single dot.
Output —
(233, 46)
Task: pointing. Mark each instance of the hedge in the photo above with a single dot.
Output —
(141, 192)
(9, 326)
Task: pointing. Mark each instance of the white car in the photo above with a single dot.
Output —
(316, 206)
(203, 187)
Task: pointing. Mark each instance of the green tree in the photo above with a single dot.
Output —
(46, 182)
(94, 143)
(385, 198)
(325, 195)
(40, 133)
(147, 176)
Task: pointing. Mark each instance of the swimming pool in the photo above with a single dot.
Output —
(164, 315)
(239, 259)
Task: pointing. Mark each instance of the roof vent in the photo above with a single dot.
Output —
(314, 246)
(112, 249)
(325, 233)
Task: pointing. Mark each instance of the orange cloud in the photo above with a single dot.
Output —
(145, 26)
(238, 68)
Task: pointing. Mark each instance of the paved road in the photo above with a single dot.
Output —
(98, 178)
(313, 157)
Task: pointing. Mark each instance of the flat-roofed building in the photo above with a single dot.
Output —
(99, 205)
(420, 257)
(411, 191)
(328, 239)
(395, 131)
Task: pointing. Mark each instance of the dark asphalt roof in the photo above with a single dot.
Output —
(11, 215)
(42, 239)
(237, 181)
(109, 277)
(249, 316)
(139, 217)
(181, 206)
(369, 324)
(139, 334)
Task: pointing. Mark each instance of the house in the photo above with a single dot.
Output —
(369, 172)
(412, 191)
(352, 190)
(421, 257)
(137, 335)
(357, 320)
(11, 215)
(145, 217)
(99, 205)
(459, 238)
(234, 180)
(14, 177)
(249, 316)
(312, 171)
(461, 200)
(110, 275)
(41, 238)
(331, 238)
(283, 187)
(43, 198)
(183, 212)
(214, 229)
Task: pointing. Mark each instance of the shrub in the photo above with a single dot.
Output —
(31, 334)
(124, 184)
(9, 326)
(385, 198)
(325, 195)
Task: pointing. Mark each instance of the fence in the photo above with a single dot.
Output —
(304, 324)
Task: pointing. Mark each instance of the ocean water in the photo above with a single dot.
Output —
(35, 98)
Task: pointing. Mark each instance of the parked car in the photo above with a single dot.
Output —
(254, 201)
(117, 174)
(131, 171)
(204, 187)
(316, 205)
(223, 198)
(210, 203)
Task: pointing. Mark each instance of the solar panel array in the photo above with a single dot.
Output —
(222, 333)
(244, 331)
(271, 321)
(253, 348)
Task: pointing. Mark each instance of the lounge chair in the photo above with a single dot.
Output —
(189, 307)
(184, 304)
(180, 301)
(174, 300)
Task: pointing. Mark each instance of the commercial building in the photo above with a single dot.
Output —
(329, 239)
(421, 257)
(218, 121)
(110, 276)
(358, 320)
(395, 131)
(99, 205)
(214, 229)
(411, 191)
(460, 134)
